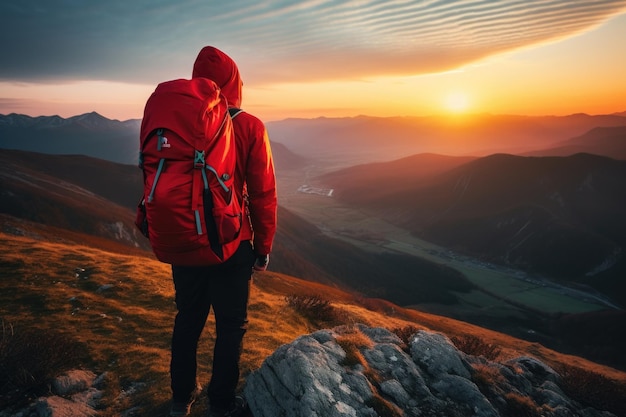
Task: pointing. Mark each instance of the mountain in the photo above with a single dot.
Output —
(89, 134)
(605, 141)
(78, 193)
(335, 142)
(93, 135)
(384, 178)
(557, 216)
(284, 159)
(119, 183)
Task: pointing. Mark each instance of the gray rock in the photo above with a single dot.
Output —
(314, 376)
(465, 394)
(72, 382)
(73, 395)
(60, 407)
(436, 354)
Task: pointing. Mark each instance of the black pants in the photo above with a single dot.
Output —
(226, 288)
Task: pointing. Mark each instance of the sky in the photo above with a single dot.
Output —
(317, 58)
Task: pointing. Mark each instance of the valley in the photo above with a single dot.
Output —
(504, 293)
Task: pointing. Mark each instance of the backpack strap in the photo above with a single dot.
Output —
(234, 111)
(156, 179)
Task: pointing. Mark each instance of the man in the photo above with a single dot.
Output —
(225, 287)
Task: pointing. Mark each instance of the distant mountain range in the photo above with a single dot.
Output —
(341, 142)
(89, 134)
(92, 135)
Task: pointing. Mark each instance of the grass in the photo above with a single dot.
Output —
(31, 357)
(121, 309)
(115, 312)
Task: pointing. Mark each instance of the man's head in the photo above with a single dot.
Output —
(215, 65)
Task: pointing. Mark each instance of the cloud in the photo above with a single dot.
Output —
(14, 104)
(150, 40)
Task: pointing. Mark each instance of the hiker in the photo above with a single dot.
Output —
(225, 287)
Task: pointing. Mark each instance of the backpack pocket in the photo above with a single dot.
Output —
(222, 215)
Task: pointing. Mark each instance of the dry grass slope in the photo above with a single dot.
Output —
(120, 308)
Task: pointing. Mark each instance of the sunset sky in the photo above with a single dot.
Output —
(320, 58)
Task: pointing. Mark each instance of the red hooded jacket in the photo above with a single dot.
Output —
(255, 180)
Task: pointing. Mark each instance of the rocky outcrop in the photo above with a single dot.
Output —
(357, 371)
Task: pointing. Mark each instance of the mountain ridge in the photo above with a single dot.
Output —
(344, 141)
(350, 141)
(93, 119)
(605, 141)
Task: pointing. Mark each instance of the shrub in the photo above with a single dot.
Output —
(352, 342)
(473, 345)
(314, 308)
(486, 376)
(383, 407)
(518, 405)
(31, 358)
(593, 389)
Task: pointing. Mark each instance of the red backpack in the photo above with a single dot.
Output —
(189, 209)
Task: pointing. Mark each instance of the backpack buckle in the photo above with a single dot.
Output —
(198, 160)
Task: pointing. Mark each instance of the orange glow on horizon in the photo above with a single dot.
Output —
(582, 74)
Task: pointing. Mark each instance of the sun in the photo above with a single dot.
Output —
(456, 102)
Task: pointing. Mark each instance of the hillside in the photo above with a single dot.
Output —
(558, 216)
(78, 193)
(119, 309)
(380, 179)
(284, 159)
(605, 141)
(302, 250)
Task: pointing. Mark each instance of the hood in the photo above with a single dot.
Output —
(215, 65)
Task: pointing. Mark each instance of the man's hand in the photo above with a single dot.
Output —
(261, 262)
